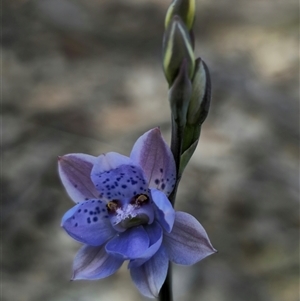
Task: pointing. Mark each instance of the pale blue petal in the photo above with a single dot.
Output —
(165, 213)
(74, 171)
(88, 223)
(154, 156)
(155, 234)
(150, 276)
(93, 263)
(188, 242)
(115, 176)
(109, 161)
(130, 244)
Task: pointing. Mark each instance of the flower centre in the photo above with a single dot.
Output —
(125, 214)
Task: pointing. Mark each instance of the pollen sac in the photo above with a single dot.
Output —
(112, 206)
(140, 200)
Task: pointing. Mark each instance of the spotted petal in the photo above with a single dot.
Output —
(150, 276)
(93, 263)
(188, 242)
(130, 244)
(74, 171)
(88, 223)
(165, 213)
(152, 153)
(116, 176)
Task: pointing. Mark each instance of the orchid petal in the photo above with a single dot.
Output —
(88, 223)
(154, 156)
(93, 263)
(74, 171)
(115, 176)
(155, 234)
(165, 213)
(110, 161)
(188, 242)
(130, 244)
(150, 276)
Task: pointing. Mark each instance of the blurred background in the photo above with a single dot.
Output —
(86, 76)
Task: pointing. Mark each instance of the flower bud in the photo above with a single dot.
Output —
(185, 9)
(177, 46)
(180, 94)
(201, 94)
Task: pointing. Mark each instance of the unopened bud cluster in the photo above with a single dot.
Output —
(188, 78)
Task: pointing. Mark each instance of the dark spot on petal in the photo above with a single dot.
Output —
(85, 210)
(88, 220)
(156, 181)
(161, 170)
(95, 219)
(163, 186)
(124, 186)
(76, 225)
(79, 211)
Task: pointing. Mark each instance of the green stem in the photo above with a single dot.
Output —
(176, 143)
(165, 293)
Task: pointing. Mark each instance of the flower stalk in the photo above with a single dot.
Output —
(189, 94)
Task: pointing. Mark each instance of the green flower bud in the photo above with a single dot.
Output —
(179, 95)
(177, 46)
(185, 9)
(201, 94)
(187, 155)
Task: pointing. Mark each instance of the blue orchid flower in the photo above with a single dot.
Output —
(122, 212)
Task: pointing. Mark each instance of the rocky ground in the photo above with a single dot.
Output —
(85, 76)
